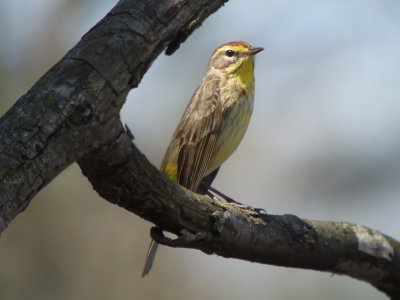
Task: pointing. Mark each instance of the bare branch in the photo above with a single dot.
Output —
(72, 109)
(72, 114)
(122, 175)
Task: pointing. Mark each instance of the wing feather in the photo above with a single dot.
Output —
(198, 133)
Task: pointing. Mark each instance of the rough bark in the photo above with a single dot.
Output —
(72, 114)
(72, 109)
(122, 175)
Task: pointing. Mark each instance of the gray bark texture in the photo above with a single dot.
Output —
(72, 115)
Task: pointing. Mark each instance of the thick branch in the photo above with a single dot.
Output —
(72, 109)
(72, 113)
(122, 175)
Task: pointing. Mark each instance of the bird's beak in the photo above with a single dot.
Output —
(254, 50)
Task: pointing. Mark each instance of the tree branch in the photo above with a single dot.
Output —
(122, 175)
(72, 109)
(72, 114)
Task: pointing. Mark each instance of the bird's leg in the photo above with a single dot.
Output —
(211, 191)
(205, 188)
(222, 195)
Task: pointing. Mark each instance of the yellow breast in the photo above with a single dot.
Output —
(234, 126)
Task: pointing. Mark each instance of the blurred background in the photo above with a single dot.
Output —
(323, 143)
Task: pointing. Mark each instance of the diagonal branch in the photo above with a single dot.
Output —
(122, 175)
(72, 114)
(72, 109)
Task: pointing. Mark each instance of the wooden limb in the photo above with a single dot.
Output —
(122, 175)
(72, 109)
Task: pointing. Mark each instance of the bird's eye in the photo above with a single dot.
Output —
(229, 53)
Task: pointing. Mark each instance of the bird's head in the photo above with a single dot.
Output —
(233, 56)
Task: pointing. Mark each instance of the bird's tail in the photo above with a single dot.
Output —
(151, 255)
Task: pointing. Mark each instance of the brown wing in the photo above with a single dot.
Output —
(198, 133)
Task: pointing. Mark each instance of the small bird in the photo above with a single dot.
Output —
(213, 123)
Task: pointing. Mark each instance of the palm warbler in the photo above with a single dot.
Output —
(213, 123)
